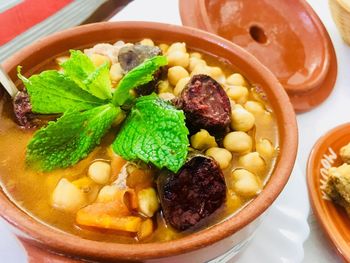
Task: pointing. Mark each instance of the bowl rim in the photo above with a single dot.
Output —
(65, 243)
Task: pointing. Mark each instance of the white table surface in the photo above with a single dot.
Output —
(312, 125)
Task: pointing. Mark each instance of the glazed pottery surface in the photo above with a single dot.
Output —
(286, 36)
(332, 217)
(204, 245)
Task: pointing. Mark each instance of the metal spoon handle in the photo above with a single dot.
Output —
(8, 84)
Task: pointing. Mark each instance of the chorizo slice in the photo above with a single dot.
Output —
(192, 194)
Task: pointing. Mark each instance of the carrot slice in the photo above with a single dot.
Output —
(126, 223)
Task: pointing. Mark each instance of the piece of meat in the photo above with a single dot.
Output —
(131, 56)
(192, 194)
(111, 51)
(205, 104)
(23, 109)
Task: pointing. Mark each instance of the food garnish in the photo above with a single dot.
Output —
(53, 92)
(69, 139)
(155, 132)
(82, 71)
(83, 87)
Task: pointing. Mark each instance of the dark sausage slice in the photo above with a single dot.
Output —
(132, 56)
(205, 104)
(23, 109)
(193, 193)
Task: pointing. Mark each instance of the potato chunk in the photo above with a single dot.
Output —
(67, 196)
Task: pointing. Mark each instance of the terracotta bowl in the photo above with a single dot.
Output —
(225, 237)
(333, 218)
(286, 36)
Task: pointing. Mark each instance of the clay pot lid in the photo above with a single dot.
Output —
(333, 218)
(286, 36)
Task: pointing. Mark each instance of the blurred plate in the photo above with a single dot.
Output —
(333, 218)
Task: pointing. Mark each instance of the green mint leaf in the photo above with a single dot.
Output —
(68, 140)
(155, 132)
(52, 92)
(139, 75)
(80, 68)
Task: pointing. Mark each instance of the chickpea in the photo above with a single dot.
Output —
(178, 58)
(164, 86)
(193, 62)
(252, 162)
(176, 73)
(237, 93)
(254, 107)
(116, 72)
(241, 119)
(238, 142)
(164, 48)
(246, 184)
(265, 148)
(147, 42)
(177, 46)
(236, 79)
(148, 201)
(145, 230)
(201, 69)
(98, 60)
(195, 55)
(166, 96)
(107, 193)
(222, 156)
(100, 172)
(67, 196)
(217, 74)
(181, 84)
(202, 140)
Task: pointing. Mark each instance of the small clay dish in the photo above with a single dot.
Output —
(333, 218)
(222, 239)
(286, 36)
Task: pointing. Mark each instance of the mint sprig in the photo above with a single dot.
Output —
(80, 69)
(53, 92)
(83, 94)
(155, 132)
(69, 139)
